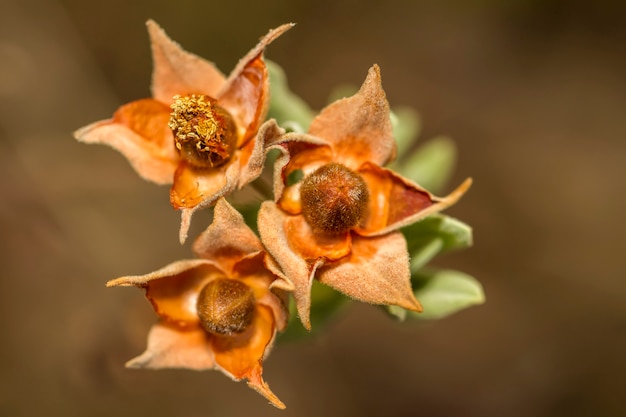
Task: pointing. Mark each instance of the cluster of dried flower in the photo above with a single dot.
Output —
(206, 134)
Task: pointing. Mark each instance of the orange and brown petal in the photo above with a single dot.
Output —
(358, 128)
(139, 131)
(241, 355)
(173, 290)
(295, 273)
(170, 346)
(394, 201)
(376, 272)
(246, 92)
(194, 189)
(176, 71)
(228, 239)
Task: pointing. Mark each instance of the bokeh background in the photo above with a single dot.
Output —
(533, 92)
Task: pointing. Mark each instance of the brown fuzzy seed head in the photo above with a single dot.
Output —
(334, 198)
(225, 306)
(204, 133)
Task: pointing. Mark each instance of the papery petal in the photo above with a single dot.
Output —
(311, 245)
(139, 131)
(194, 189)
(252, 154)
(294, 272)
(246, 92)
(228, 238)
(177, 71)
(172, 347)
(241, 355)
(358, 128)
(173, 290)
(377, 272)
(395, 201)
(298, 152)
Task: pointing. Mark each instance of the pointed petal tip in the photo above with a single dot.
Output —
(412, 304)
(256, 382)
(118, 282)
(185, 223)
(455, 195)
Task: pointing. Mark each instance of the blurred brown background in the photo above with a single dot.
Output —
(533, 92)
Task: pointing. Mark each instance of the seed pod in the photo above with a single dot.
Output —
(204, 133)
(225, 306)
(334, 198)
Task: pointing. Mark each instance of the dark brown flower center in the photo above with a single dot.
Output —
(334, 198)
(204, 133)
(225, 306)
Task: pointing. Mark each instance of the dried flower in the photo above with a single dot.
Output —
(216, 312)
(339, 222)
(201, 131)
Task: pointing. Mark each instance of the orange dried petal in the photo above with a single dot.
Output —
(193, 186)
(376, 271)
(294, 272)
(228, 239)
(177, 71)
(246, 92)
(174, 298)
(172, 347)
(358, 128)
(246, 98)
(241, 355)
(312, 245)
(396, 202)
(148, 118)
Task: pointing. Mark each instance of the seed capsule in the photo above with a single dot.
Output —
(204, 133)
(225, 306)
(334, 198)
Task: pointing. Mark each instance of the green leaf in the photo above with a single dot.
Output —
(445, 292)
(289, 110)
(435, 234)
(341, 91)
(406, 125)
(326, 304)
(431, 165)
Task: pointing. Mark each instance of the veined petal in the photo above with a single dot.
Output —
(173, 290)
(228, 238)
(358, 128)
(241, 355)
(177, 71)
(246, 92)
(139, 131)
(294, 272)
(312, 245)
(172, 347)
(377, 272)
(194, 189)
(395, 201)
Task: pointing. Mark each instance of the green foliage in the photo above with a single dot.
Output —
(431, 165)
(445, 292)
(289, 110)
(406, 125)
(435, 234)
(326, 304)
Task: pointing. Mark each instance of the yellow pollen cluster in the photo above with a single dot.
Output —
(204, 133)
